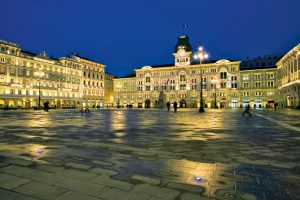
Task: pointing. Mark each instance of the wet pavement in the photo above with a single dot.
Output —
(150, 154)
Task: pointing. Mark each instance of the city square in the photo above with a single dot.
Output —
(126, 154)
(150, 100)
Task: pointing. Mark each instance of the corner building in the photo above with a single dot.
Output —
(25, 76)
(289, 78)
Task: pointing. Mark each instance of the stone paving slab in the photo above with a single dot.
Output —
(98, 170)
(77, 174)
(193, 196)
(77, 166)
(40, 190)
(75, 196)
(10, 195)
(18, 161)
(186, 187)
(106, 181)
(9, 182)
(155, 191)
(50, 168)
(146, 179)
(100, 162)
(79, 186)
(114, 193)
(16, 170)
(44, 177)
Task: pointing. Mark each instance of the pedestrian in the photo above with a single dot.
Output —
(247, 110)
(175, 106)
(275, 105)
(168, 106)
(46, 106)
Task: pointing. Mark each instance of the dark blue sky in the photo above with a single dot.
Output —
(128, 34)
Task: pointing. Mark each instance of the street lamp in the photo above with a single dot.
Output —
(118, 85)
(39, 75)
(201, 55)
(215, 81)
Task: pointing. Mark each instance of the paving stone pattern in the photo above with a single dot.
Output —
(150, 154)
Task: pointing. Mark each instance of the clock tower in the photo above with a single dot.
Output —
(183, 51)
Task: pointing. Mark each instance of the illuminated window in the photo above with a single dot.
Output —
(147, 79)
(246, 85)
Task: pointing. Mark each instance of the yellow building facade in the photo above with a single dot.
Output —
(26, 77)
(289, 78)
(108, 90)
(225, 83)
(152, 86)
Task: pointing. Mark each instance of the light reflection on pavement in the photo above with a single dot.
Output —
(236, 157)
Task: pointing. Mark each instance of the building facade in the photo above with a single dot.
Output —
(27, 79)
(289, 78)
(92, 82)
(108, 89)
(153, 86)
(225, 83)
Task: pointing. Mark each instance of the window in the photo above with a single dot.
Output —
(223, 75)
(182, 87)
(257, 84)
(257, 76)
(147, 79)
(246, 93)
(182, 77)
(245, 85)
(148, 88)
(233, 85)
(213, 70)
(194, 87)
(258, 93)
(270, 83)
(270, 76)
(2, 60)
(245, 77)
(233, 78)
(222, 85)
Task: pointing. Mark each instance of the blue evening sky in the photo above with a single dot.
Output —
(128, 34)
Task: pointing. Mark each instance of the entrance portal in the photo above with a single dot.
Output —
(182, 103)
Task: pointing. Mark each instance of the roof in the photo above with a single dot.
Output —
(183, 43)
(131, 75)
(265, 62)
(77, 55)
(28, 53)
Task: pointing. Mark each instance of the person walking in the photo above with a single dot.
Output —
(168, 106)
(175, 106)
(247, 110)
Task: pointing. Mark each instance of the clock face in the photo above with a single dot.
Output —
(181, 54)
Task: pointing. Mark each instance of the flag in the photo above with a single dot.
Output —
(185, 25)
(167, 81)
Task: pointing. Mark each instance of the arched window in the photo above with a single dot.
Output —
(182, 77)
(223, 75)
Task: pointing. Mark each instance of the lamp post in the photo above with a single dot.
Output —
(118, 86)
(215, 81)
(39, 75)
(201, 55)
